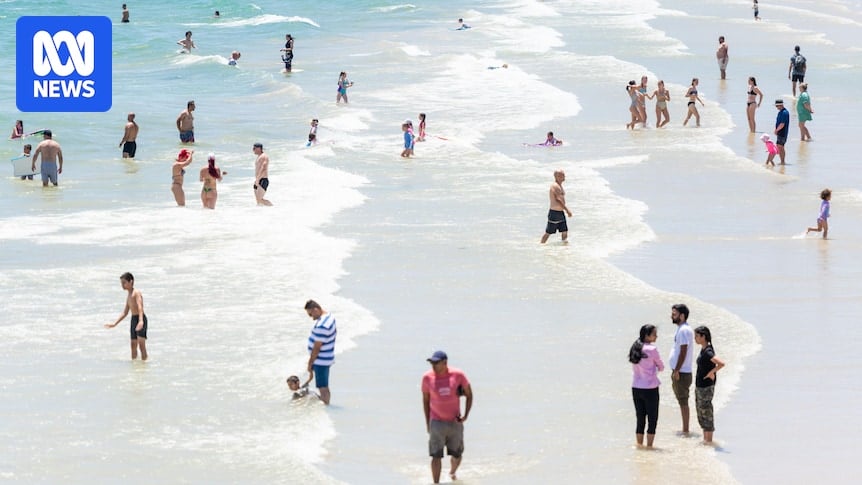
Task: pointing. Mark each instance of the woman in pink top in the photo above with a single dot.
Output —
(646, 364)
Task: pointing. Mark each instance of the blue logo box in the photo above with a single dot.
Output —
(63, 64)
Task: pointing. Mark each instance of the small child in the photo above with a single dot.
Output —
(299, 391)
(26, 154)
(408, 141)
(462, 25)
(312, 133)
(551, 141)
(822, 222)
(421, 127)
(234, 56)
(771, 148)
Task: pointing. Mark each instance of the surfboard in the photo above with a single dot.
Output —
(21, 166)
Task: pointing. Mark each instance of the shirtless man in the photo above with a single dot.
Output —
(556, 217)
(129, 137)
(261, 174)
(51, 153)
(186, 123)
(721, 56)
(125, 14)
(187, 43)
(135, 303)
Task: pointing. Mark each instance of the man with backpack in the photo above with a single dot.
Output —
(796, 71)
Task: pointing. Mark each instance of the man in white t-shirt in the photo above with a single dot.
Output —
(680, 360)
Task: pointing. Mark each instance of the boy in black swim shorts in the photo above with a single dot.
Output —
(135, 304)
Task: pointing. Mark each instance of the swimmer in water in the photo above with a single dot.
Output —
(551, 141)
(187, 43)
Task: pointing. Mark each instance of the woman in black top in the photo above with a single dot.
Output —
(708, 366)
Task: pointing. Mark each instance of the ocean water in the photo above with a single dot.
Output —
(439, 251)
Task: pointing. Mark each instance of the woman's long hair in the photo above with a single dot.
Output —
(213, 171)
(636, 353)
(706, 334)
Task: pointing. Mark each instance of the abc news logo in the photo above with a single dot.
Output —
(63, 64)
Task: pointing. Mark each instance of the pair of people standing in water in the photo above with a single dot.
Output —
(209, 175)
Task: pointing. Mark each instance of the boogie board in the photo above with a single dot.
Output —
(21, 166)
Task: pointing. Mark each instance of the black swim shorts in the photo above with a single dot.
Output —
(264, 183)
(556, 222)
(134, 334)
(781, 140)
(130, 147)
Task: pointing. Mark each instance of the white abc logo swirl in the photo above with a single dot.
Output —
(46, 57)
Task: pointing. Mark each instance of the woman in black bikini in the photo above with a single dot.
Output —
(692, 96)
(753, 101)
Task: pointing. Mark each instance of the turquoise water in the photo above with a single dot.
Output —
(435, 252)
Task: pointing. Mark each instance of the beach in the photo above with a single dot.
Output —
(439, 251)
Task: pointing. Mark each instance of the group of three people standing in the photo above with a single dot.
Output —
(647, 363)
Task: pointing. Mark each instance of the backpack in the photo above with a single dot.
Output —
(799, 63)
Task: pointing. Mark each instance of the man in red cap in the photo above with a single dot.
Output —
(442, 388)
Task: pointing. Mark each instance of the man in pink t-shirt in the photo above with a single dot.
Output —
(442, 388)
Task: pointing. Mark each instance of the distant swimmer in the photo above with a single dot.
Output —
(504, 66)
(234, 56)
(187, 43)
(178, 170)
(18, 130)
(300, 390)
(135, 304)
(25, 154)
(756, 9)
(186, 123)
(823, 218)
(343, 84)
(211, 175)
(722, 57)
(550, 141)
(217, 14)
(692, 96)
(287, 53)
(556, 215)
(462, 25)
(312, 133)
(129, 136)
(51, 153)
(125, 14)
(261, 174)
(662, 96)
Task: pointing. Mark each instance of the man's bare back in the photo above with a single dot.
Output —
(131, 132)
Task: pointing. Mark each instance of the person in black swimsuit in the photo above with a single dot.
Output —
(692, 96)
(753, 101)
(287, 53)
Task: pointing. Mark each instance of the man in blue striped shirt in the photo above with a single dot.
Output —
(321, 347)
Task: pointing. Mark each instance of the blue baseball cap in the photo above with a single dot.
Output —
(438, 356)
